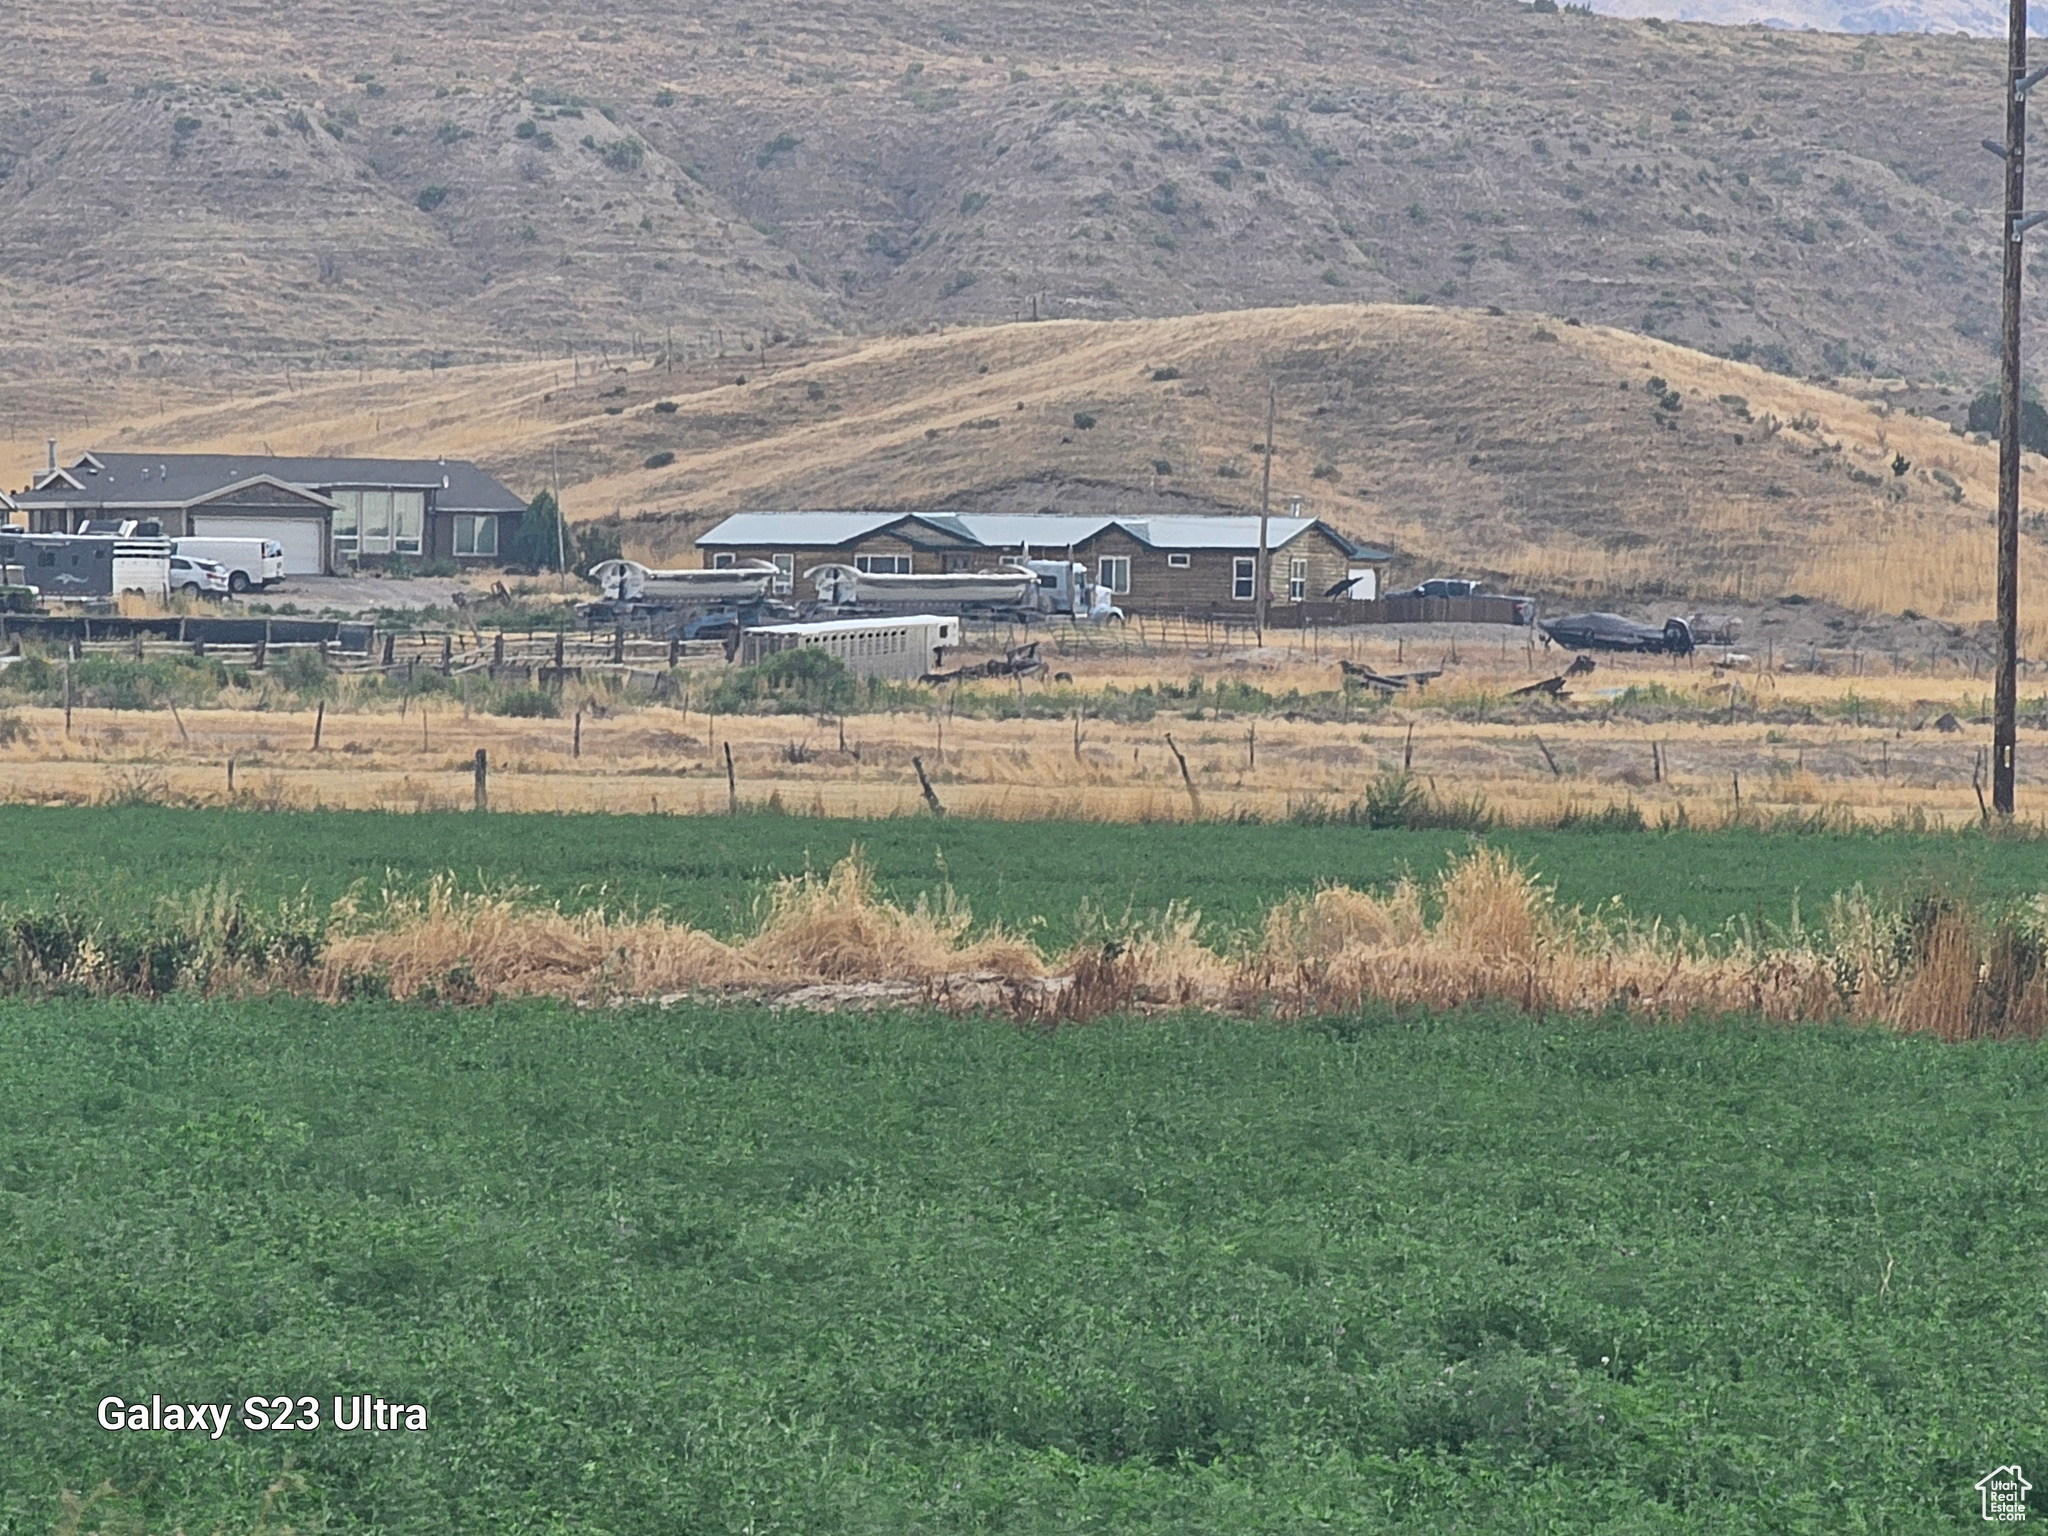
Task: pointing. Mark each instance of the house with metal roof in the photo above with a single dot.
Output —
(1182, 564)
(328, 514)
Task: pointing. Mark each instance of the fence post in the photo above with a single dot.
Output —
(319, 719)
(576, 742)
(483, 792)
(732, 785)
(931, 797)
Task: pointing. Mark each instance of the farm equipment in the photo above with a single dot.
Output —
(1358, 674)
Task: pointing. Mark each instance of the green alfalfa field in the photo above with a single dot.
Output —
(738, 1268)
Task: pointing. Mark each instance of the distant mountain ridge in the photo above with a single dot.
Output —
(368, 182)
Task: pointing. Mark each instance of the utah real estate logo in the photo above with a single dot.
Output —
(2005, 1494)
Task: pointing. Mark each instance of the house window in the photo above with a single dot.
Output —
(882, 565)
(785, 574)
(348, 514)
(376, 525)
(1177, 562)
(723, 561)
(476, 536)
(1114, 572)
(1244, 578)
(408, 519)
(1297, 581)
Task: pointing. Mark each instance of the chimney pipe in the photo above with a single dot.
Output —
(53, 453)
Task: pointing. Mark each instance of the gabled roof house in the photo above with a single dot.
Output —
(327, 513)
(1180, 564)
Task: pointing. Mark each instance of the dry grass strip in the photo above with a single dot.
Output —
(1488, 930)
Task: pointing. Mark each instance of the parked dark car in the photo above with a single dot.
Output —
(1612, 632)
(1465, 586)
(1442, 586)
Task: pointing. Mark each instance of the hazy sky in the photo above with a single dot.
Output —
(1984, 17)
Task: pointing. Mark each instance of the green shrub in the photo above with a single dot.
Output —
(660, 460)
(431, 198)
(305, 672)
(1391, 799)
(31, 674)
(802, 681)
(1084, 420)
(526, 704)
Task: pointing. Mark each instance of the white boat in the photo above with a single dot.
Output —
(840, 584)
(628, 581)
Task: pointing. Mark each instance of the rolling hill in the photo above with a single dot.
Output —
(1578, 461)
(189, 188)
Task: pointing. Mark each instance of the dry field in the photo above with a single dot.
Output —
(1514, 446)
(1700, 744)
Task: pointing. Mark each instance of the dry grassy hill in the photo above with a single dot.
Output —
(1527, 448)
(188, 185)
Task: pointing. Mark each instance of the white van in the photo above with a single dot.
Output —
(249, 562)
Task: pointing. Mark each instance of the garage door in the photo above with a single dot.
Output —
(300, 537)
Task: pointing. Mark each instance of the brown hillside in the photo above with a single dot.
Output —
(1523, 448)
(357, 180)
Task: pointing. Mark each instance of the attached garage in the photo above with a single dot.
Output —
(300, 536)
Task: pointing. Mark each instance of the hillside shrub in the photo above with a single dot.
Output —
(431, 198)
(1083, 420)
(660, 460)
(1987, 407)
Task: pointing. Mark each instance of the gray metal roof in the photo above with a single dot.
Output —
(178, 479)
(1041, 530)
(823, 530)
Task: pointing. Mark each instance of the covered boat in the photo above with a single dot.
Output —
(628, 581)
(1612, 632)
(843, 584)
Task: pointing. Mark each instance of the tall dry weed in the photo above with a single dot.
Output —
(1486, 930)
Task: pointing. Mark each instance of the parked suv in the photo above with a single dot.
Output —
(195, 577)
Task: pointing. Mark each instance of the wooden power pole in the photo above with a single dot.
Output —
(2005, 708)
(1265, 575)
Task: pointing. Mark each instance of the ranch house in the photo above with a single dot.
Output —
(1197, 565)
(328, 514)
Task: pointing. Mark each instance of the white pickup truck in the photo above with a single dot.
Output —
(248, 562)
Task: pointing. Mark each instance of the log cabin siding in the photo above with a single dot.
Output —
(1207, 584)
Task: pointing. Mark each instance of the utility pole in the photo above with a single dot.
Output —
(1265, 576)
(2005, 708)
(561, 523)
